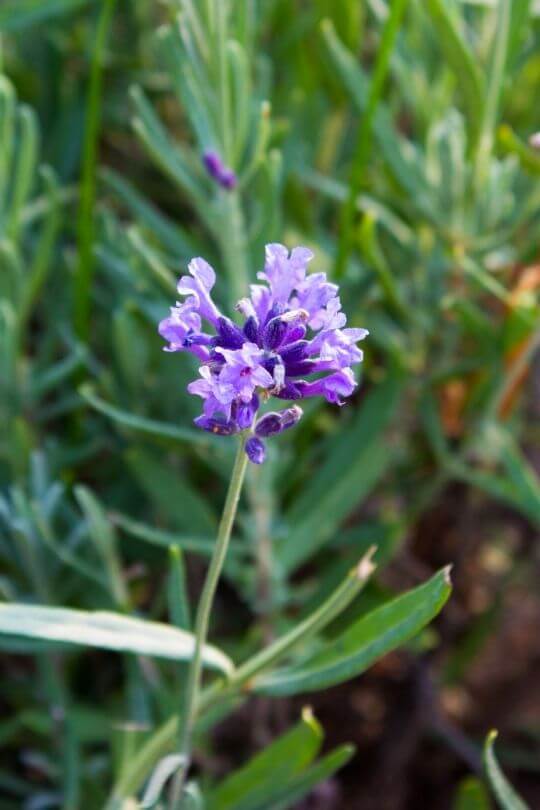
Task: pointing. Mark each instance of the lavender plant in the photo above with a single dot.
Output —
(242, 366)
(393, 139)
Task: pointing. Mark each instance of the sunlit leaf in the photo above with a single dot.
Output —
(108, 631)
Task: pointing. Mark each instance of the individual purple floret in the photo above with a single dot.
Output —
(292, 344)
(215, 167)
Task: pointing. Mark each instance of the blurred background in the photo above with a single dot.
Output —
(406, 161)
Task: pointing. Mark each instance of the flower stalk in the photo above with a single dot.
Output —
(193, 684)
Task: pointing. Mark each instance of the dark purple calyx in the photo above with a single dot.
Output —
(256, 451)
(251, 330)
(289, 390)
(277, 421)
(220, 427)
(244, 412)
(294, 352)
(273, 333)
(268, 425)
(229, 335)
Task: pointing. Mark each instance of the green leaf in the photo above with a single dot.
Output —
(172, 158)
(104, 538)
(177, 592)
(520, 12)
(163, 771)
(506, 796)
(462, 61)
(430, 417)
(105, 630)
(171, 493)
(363, 643)
(511, 143)
(399, 154)
(343, 479)
(42, 263)
(301, 632)
(152, 260)
(18, 14)
(288, 796)
(471, 795)
(25, 166)
(519, 471)
(150, 427)
(519, 487)
(165, 539)
(250, 787)
(192, 798)
(171, 235)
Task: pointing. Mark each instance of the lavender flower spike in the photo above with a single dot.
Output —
(293, 328)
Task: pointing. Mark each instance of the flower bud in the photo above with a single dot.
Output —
(255, 450)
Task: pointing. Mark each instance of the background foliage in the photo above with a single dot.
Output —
(418, 191)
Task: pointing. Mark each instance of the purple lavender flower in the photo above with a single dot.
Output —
(293, 329)
(215, 167)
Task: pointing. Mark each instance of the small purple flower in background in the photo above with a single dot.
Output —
(215, 167)
(293, 328)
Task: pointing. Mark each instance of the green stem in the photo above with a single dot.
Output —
(160, 743)
(202, 619)
(223, 83)
(332, 607)
(85, 225)
(363, 144)
(233, 243)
